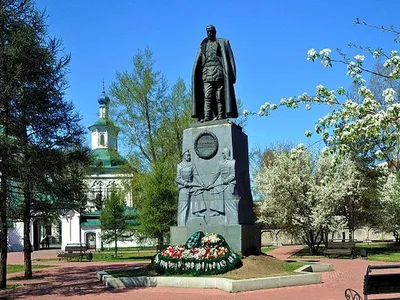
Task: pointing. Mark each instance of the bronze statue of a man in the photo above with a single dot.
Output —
(214, 74)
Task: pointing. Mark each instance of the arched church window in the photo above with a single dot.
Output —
(102, 140)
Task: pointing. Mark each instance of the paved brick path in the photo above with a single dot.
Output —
(77, 280)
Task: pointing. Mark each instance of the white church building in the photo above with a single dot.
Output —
(110, 171)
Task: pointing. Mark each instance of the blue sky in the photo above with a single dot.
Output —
(269, 39)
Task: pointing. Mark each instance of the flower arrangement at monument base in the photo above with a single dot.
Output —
(201, 255)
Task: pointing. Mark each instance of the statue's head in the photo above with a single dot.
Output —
(211, 32)
(226, 153)
(186, 155)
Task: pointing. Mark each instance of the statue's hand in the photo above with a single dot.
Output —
(185, 184)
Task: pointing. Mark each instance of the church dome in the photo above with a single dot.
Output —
(104, 99)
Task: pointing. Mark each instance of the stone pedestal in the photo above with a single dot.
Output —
(228, 207)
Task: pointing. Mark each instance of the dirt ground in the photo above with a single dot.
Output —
(257, 266)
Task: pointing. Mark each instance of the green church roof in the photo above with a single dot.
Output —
(91, 223)
(91, 219)
(108, 158)
(103, 122)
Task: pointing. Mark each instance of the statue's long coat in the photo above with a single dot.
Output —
(229, 67)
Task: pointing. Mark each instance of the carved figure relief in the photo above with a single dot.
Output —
(190, 188)
(219, 198)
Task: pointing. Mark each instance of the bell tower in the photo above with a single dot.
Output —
(104, 132)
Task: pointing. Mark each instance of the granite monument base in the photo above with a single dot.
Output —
(206, 143)
(240, 238)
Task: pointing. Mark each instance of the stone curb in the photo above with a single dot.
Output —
(305, 277)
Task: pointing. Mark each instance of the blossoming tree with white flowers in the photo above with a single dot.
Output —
(310, 197)
(390, 197)
(367, 122)
(366, 125)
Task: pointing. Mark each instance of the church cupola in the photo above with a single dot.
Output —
(104, 132)
(104, 102)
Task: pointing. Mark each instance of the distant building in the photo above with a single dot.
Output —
(110, 171)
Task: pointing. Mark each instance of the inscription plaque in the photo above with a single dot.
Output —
(206, 145)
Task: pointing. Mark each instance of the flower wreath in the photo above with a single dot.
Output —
(202, 254)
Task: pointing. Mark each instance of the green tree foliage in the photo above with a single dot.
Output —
(152, 119)
(313, 196)
(41, 133)
(116, 220)
(137, 108)
(176, 116)
(159, 202)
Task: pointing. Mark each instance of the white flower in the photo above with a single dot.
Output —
(300, 146)
(303, 97)
(245, 112)
(308, 133)
(376, 54)
(325, 57)
(389, 94)
(321, 89)
(325, 151)
(359, 58)
(325, 52)
(312, 54)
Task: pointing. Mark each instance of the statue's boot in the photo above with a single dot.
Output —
(220, 106)
(207, 110)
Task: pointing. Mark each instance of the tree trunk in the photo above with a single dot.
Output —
(396, 238)
(3, 163)
(326, 238)
(160, 239)
(27, 241)
(115, 244)
(3, 232)
(313, 241)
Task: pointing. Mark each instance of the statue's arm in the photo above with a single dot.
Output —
(178, 178)
(216, 175)
(232, 174)
(196, 177)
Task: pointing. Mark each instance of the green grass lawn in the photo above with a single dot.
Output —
(267, 249)
(388, 252)
(21, 268)
(123, 256)
(132, 249)
(108, 256)
(379, 251)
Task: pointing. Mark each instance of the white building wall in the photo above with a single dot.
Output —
(95, 138)
(70, 228)
(70, 223)
(104, 183)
